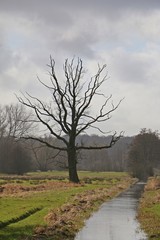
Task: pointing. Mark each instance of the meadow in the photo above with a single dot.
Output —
(42, 205)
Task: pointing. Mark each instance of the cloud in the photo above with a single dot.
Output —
(132, 67)
(124, 34)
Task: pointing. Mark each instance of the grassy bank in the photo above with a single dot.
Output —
(44, 204)
(149, 209)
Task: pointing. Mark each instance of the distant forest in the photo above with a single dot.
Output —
(23, 156)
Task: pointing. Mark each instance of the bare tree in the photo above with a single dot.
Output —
(44, 158)
(14, 121)
(68, 114)
(3, 122)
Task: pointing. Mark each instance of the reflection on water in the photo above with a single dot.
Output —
(116, 219)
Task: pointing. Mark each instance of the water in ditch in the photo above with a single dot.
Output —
(116, 219)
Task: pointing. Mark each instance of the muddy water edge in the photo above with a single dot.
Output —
(116, 219)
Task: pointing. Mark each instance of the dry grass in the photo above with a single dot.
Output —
(149, 210)
(153, 184)
(64, 222)
(12, 189)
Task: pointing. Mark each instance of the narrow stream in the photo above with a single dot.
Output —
(116, 219)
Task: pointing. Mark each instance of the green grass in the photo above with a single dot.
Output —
(156, 209)
(15, 206)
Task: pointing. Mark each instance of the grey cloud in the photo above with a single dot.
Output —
(83, 3)
(8, 83)
(132, 68)
(5, 58)
(63, 10)
(80, 45)
(58, 17)
(47, 11)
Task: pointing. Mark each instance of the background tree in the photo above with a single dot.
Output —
(14, 123)
(118, 154)
(44, 158)
(20, 159)
(68, 113)
(93, 160)
(144, 154)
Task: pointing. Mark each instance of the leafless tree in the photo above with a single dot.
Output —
(68, 114)
(15, 121)
(43, 157)
(3, 123)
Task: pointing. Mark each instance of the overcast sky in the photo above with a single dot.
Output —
(124, 34)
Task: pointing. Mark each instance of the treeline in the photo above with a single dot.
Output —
(111, 159)
(139, 155)
(21, 156)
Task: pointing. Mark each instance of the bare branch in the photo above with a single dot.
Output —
(69, 113)
(113, 140)
(41, 140)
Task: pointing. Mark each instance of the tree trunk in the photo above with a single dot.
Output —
(72, 165)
